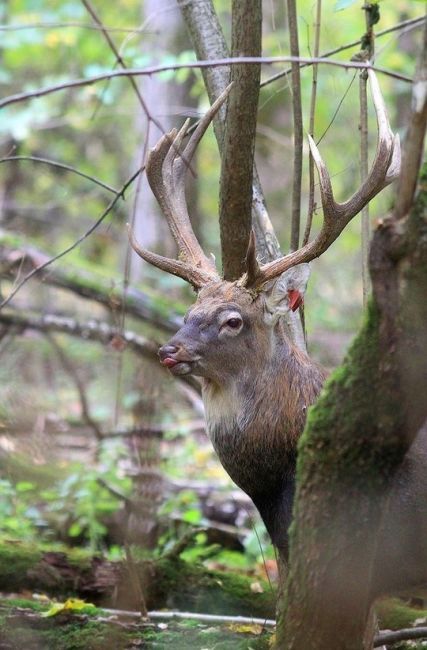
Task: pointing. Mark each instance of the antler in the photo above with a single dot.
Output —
(385, 168)
(166, 170)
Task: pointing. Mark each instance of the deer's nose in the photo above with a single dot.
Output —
(166, 354)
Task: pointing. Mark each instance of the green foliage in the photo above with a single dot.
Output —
(394, 614)
(19, 517)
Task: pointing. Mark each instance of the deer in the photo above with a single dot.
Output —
(256, 384)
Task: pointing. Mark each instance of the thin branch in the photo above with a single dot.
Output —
(298, 126)
(68, 168)
(91, 330)
(368, 43)
(67, 250)
(386, 638)
(80, 387)
(194, 65)
(183, 543)
(54, 25)
(106, 291)
(340, 103)
(364, 170)
(119, 58)
(311, 203)
(206, 618)
(412, 23)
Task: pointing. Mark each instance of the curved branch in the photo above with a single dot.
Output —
(91, 330)
(68, 168)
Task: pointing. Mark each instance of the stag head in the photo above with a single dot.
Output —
(248, 309)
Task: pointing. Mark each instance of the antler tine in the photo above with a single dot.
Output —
(196, 277)
(385, 168)
(166, 170)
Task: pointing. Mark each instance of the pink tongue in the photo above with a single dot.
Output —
(169, 362)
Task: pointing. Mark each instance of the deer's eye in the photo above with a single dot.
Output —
(230, 324)
(234, 323)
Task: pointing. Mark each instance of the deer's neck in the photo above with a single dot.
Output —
(255, 418)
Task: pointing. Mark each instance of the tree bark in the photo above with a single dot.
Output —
(237, 155)
(356, 439)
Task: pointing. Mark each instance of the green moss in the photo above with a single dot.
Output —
(393, 614)
(16, 560)
(192, 587)
(64, 636)
(349, 431)
(85, 633)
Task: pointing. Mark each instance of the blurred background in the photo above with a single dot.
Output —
(99, 446)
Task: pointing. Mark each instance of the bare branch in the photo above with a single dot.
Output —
(336, 216)
(68, 168)
(45, 264)
(368, 46)
(405, 25)
(54, 25)
(72, 372)
(194, 65)
(14, 253)
(386, 638)
(298, 126)
(91, 330)
(311, 204)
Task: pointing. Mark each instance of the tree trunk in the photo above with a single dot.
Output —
(356, 438)
(237, 154)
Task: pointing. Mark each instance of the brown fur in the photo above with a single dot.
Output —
(256, 388)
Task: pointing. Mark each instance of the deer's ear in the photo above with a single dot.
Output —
(286, 293)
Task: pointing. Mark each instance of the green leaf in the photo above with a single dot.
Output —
(192, 516)
(70, 605)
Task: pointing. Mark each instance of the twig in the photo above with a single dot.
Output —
(70, 369)
(119, 60)
(406, 634)
(311, 203)
(67, 250)
(194, 65)
(91, 331)
(88, 285)
(368, 42)
(181, 544)
(53, 25)
(207, 618)
(332, 120)
(412, 22)
(54, 163)
(298, 126)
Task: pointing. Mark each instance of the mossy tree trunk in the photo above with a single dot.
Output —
(356, 438)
